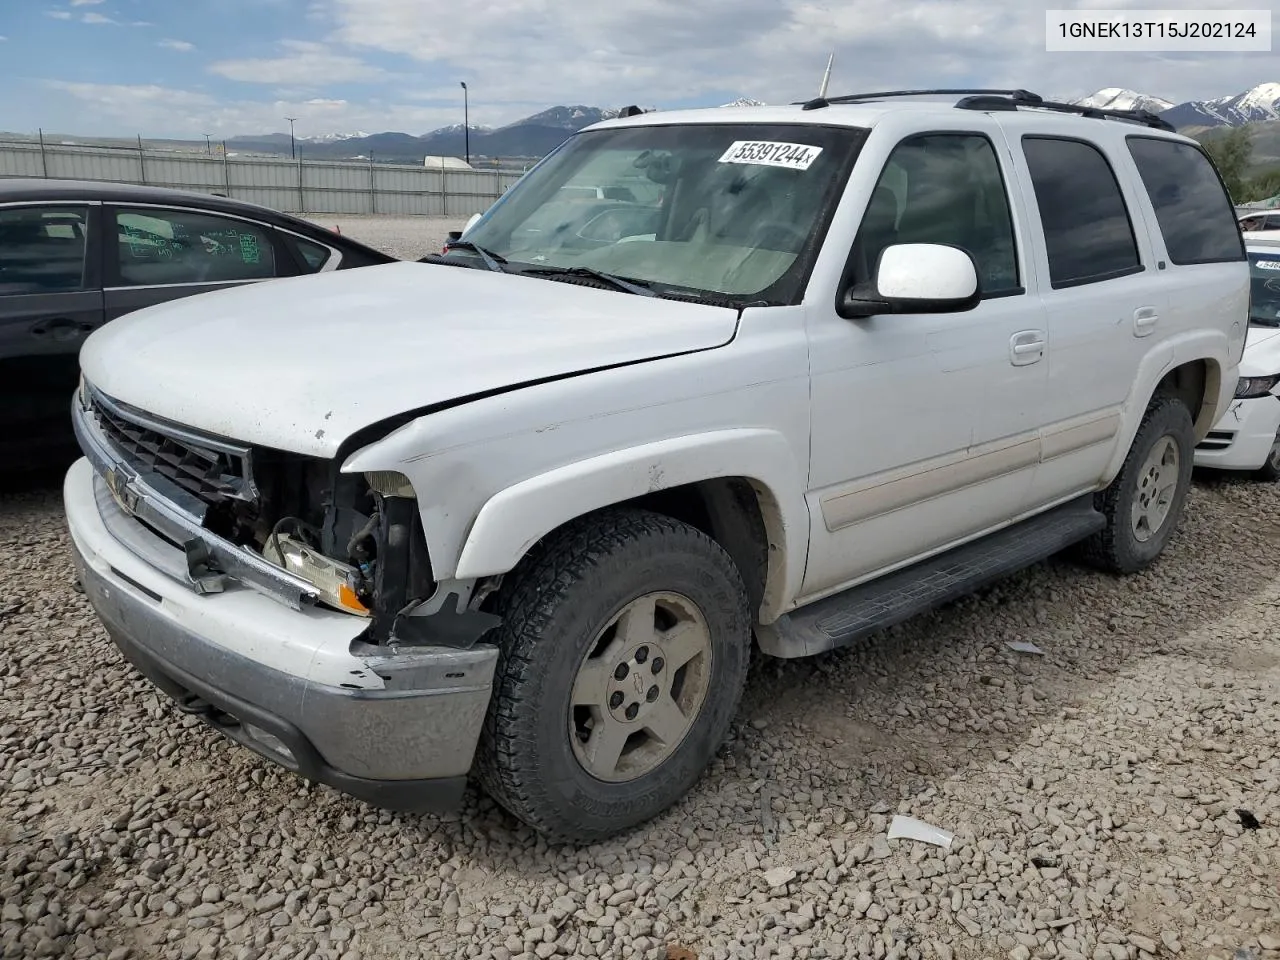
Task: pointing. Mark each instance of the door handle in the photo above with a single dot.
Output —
(1144, 321)
(60, 328)
(1026, 347)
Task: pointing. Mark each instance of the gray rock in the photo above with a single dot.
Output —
(1145, 944)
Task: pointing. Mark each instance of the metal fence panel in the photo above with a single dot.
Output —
(21, 162)
(306, 186)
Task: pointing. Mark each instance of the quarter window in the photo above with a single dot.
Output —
(1192, 207)
(943, 188)
(42, 249)
(180, 246)
(313, 254)
(1087, 229)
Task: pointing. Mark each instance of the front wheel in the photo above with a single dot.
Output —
(623, 654)
(1270, 471)
(1144, 502)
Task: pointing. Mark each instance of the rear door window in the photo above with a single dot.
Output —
(42, 249)
(1087, 229)
(1192, 206)
(158, 247)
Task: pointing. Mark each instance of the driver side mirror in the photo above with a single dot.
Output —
(475, 218)
(915, 278)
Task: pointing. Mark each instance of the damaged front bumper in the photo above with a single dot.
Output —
(292, 681)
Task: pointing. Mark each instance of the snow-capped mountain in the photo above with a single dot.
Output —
(567, 118)
(1260, 103)
(332, 137)
(744, 102)
(458, 127)
(1117, 98)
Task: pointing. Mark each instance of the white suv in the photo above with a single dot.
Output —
(519, 511)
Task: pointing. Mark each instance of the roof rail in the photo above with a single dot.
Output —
(1144, 117)
(819, 102)
(1002, 100)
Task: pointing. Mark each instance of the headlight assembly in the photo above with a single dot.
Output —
(335, 582)
(1248, 388)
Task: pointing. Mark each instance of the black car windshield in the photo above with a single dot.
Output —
(728, 211)
(1264, 303)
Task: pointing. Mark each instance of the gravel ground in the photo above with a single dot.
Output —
(1095, 793)
(1117, 797)
(405, 237)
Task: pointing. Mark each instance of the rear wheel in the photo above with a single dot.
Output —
(624, 650)
(1144, 502)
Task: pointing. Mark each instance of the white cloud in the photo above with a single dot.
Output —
(96, 18)
(58, 14)
(181, 45)
(648, 51)
(85, 3)
(521, 56)
(154, 110)
(303, 64)
(3, 39)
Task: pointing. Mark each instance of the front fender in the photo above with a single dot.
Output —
(517, 517)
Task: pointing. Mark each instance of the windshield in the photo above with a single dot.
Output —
(727, 211)
(1264, 300)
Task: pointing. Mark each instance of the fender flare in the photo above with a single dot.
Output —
(1151, 371)
(514, 519)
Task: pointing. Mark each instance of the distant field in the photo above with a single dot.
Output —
(405, 237)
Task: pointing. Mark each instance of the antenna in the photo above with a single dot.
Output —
(826, 77)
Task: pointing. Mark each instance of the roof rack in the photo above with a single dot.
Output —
(1006, 100)
(819, 102)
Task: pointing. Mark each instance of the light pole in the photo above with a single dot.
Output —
(466, 124)
(293, 149)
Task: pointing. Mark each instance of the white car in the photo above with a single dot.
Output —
(1266, 222)
(519, 512)
(1247, 438)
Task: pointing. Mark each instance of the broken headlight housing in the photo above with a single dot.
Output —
(356, 538)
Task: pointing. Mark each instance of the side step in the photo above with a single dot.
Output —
(845, 618)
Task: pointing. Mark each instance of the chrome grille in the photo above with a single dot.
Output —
(209, 469)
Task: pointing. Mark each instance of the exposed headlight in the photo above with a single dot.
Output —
(387, 483)
(1249, 387)
(335, 582)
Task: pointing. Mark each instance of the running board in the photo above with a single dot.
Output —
(847, 617)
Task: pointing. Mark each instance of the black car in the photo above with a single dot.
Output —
(77, 254)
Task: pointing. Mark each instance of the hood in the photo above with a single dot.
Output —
(1261, 352)
(301, 363)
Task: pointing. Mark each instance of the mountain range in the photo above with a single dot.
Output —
(1257, 105)
(533, 136)
(536, 135)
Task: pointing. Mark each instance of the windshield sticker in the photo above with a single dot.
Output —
(1268, 264)
(771, 153)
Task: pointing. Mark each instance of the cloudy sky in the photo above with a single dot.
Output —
(223, 67)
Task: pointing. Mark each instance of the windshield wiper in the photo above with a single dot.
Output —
(491, 260)
(1265, 321)
(630, 286)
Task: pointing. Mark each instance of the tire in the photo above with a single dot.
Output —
(559, 703)
(1119, 547)
(1270, 471)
